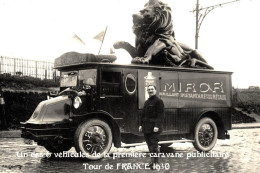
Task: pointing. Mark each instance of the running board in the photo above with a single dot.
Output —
(161, 142)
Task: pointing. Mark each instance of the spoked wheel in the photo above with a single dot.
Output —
(93, 138)
(206, 134)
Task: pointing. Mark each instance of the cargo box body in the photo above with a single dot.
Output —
(111, 97)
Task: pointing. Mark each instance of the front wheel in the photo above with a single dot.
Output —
(93, 138)
(206, 134)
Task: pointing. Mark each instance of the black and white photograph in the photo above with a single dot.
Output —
(129, 86)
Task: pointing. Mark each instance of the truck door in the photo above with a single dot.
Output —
(131, 104)
(167, 89)
(111, 95)
(168, 92)
(167, 86)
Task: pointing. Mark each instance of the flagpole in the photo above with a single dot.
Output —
(102, 40)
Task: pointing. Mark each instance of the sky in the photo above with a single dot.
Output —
(44, 30)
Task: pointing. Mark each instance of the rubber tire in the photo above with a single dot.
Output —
(196, 142)
(66, 146)
(80, 132)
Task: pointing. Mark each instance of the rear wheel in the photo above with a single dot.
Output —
(206, 134)
(93, 138)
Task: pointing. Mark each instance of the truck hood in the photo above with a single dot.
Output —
(52, 110)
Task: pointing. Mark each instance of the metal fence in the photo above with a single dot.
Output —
(25, 67)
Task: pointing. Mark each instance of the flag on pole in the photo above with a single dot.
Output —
(78, 39)
(101, 37)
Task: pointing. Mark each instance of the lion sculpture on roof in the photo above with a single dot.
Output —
(155, 43)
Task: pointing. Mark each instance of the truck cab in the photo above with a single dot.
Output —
(100, 104)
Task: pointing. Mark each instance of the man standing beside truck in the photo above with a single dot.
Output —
(152, 119)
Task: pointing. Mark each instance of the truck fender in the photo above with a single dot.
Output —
(102, 115)
(215, 117)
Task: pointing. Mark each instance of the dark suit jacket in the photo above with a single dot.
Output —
(152, 115)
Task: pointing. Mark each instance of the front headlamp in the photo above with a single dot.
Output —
(77, 102)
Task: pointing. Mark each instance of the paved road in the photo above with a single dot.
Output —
(240, 154)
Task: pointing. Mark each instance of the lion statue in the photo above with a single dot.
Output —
(155, 43)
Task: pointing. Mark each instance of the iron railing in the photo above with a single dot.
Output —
(26, 67)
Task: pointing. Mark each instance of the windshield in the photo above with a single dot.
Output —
(68, 79)
(88, 77)
(85, 77)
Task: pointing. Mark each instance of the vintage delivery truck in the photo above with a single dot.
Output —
(100, 103)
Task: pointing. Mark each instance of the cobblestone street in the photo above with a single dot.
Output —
(240, 154)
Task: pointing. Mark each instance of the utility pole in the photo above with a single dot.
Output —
(197, 25)
(200, 16)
